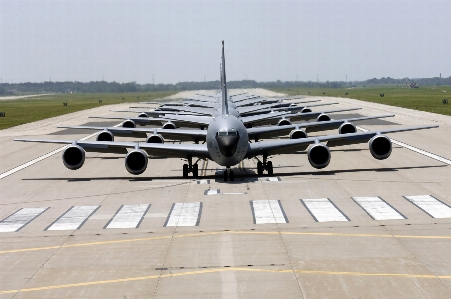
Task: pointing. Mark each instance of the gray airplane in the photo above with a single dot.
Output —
(227, 143)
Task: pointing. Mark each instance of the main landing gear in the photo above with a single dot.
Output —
(228, 173)
(190, 167)
(265, 165)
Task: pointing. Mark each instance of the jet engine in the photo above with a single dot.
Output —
(284, 122)
(318, 155)
(323, 117)
(105, 135)
(155, 138)
(380, 147)
(74, 157)
(298, 134)
(169, 125)
(346, 128)
(143, 115)
(306, 110)
(136, 161)
(129, 124)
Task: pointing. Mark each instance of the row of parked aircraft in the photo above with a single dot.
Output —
(227, 130)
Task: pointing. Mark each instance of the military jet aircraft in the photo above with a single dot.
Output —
(227, 143)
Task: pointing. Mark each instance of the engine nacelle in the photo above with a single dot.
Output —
(318, 155)
(129, 124)
(74, 157)
(298, 134)
(306, 110)
(136, 161)
(143, 115)
(347, 128)
(284, 122)
(169, 125)
(380, 147)
(323, 117)
(105, 135)
(155, 138)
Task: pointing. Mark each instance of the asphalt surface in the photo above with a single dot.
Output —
(360, 228)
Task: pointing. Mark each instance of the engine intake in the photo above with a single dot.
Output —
(318, 155)
(169, 125)
(380, 147)
(306, 110)
(323, 117)
(155, 138)
(143, 115)
(298, 134)
(105, 135)
(136, 161)
(347, 128)
(129, 124)
(284, 122)
(74, 157)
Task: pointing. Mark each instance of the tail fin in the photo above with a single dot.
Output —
(225, 107)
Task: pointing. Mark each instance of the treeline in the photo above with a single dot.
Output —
(115, 87)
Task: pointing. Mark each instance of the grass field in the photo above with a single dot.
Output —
(425, 98)
(27, 110)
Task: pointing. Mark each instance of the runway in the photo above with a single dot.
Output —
(360, 228)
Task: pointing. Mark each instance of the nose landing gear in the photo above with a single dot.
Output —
(190, 167)
(228, 173)
(265, 165)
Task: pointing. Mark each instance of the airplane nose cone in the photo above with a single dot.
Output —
(227, 144)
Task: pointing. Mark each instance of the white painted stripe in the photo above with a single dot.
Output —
(34, 161)
(212, 192)
(73, 218)
(377, 208)
(322, 210)
(435, 208)
(268, 211)
(20, 218)
(128, 216)
(420, 151)
(185, 214)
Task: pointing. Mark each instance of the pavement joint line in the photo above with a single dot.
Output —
(415, 149)
(34, 161)
(233, 269)
(224, 232)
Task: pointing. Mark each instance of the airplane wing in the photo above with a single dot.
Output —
(292, 145)
(152, 149)
(178, 134)
(274, 131)
(186, 119)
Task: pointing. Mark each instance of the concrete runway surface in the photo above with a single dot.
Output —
(360, 228)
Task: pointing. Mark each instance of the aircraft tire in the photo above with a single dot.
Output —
(225, 175)
(232, 176)
(195, 170)
(259, 168)
(269, 168)
(185, 170)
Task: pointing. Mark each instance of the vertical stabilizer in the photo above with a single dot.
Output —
(225, 108)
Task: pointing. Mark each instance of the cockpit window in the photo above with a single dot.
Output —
(227, 133)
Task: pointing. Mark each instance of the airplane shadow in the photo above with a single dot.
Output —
(246, 176)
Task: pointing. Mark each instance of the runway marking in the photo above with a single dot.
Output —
(128, 216)
(184, 214)
(415, 149)
(228, 232)
(212, 192)
(203, 182)
(173, 274)
(431, 205)
(19, 219)
(271, 179)
(34, 161)
(74, 218)
(377, 208)
(323, 210)
(268, 211)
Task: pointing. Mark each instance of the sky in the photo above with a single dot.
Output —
(174, 41)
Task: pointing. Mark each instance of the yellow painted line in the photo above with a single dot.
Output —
(203, 172)
(225, 232)
(217, 270)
